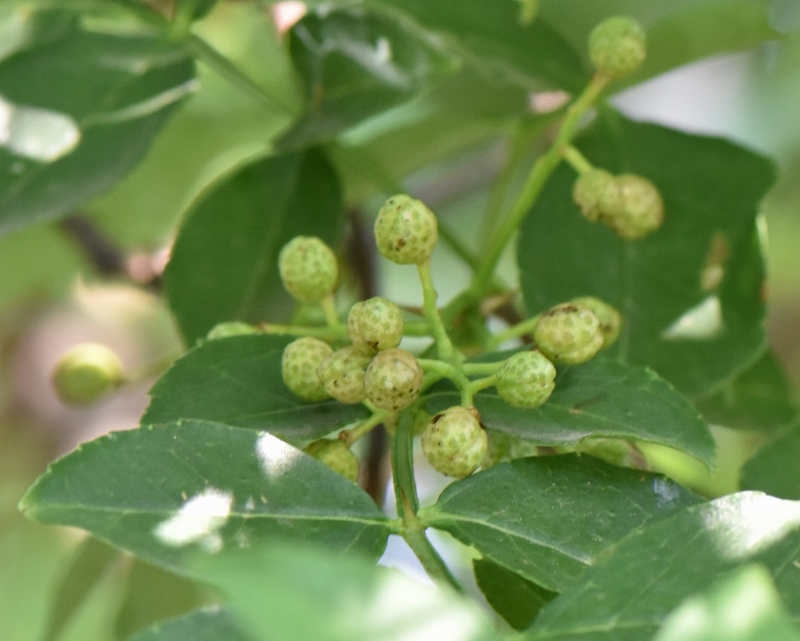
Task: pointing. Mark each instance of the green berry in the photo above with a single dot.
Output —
(618, 46)
(337, 456)
(526, 379)
(376, 323)
(299, 365)
(87, 372)
(308, 268)
(393, 379)
(641, 211)
(520, 448)
(568, 333)
(597, 193)
(610, 319)
(342, 374)
(497, 450)
(233, 328)
(406, 231)
(454, 442)
(421, 420)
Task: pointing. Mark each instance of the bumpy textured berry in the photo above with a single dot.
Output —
(454, 442)
(376, 323)
(641, 211)
(337, 456)
(406, 231)
(299, 365)
(232, 328)
(308, 268)
(618, 46)
(393, 379)
(597, 193)
(568, 333)
(342, 374)
(87, 372)
(610, 319)
(526, 379)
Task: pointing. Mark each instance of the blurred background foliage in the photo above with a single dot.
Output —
(53, 295)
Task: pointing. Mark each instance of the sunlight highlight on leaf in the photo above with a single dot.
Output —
(37, 134)
(702, 322)
(198, 521)
(275, 457)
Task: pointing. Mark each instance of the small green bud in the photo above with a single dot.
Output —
(87, 372)
(336, 455)
(642, 210)
(232, 328)
(610, 319)
(299, 364)
(618, 46)
(342, 374)
(597, 193)
(406, 231)
(526, 379)
(308, 268)
(376, 323)
(454, 442)
(393, 379)
(568, 333)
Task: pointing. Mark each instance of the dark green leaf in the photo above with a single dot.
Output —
(154, 595)
(691, 294)
(224, 264)
(515, 599)
(193, 8)
(354, 65)
(743, 606)
(212, 624)
(600, 398)
(760, 398)
(164, 492)
(638, 582)
(237, 381)
(293, 592)
(98, 101)
(548, 518)
(774, 467)
(533, 55)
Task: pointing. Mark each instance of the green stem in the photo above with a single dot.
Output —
(472, 369)
(328, 306)
(323, 333)
(352, 435)
(520, 329)
(578, 161)
(233, 74)
(476, 386)
(443, 343)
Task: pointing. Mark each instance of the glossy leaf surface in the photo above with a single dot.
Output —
(212, 624)
(224, 264)
(169, 491)
(691, 294)
(237, 381)
(548, 518)
(773, 469)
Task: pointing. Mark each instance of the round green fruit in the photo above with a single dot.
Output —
(299, 364)
(610, 319)
(597, 194)
(526, 379)
(337, 456)
(87, 372)
(393, 379)
(642, 210)
(618, 46)
(342, 374)
(454, 442)
(308, 268)
(376, 323)
(406, 231)
(568, 333)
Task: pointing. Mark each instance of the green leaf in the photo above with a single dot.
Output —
(638, 582)
(289, 591)
(691, 294)
(194, 8)
(744, 606)
(238, 381)
(548, 518)
(164, 492)
(601, 398)
(517, 600)
(353, 65)
(533, 55)
(224, 264)
(760, 398)
(773, 469)
(99, 99)
(211, 624)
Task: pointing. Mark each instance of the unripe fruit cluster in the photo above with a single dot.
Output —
(617, 46)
